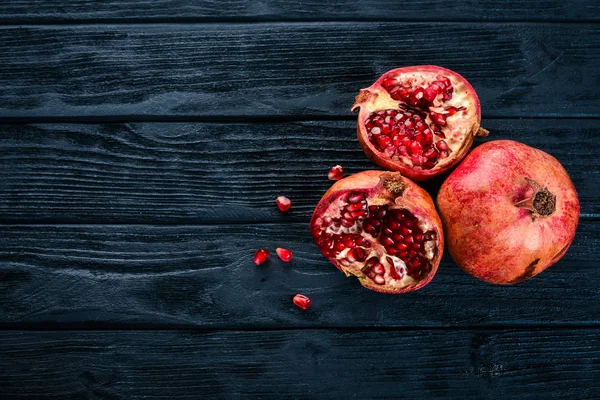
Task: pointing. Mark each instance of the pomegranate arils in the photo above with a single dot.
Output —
(284, 254)
(372, 224)
(374, 270)
(301, 301)
(283, 203)
(396, 230)
(336, 173)
(404, 238)
(408, 110)
(261, 256)
(404, 133)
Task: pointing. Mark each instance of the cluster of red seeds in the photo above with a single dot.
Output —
(419, 96)
(402, 237)
(397, 230)
(405, 132)
(333, 243)
(376, 270)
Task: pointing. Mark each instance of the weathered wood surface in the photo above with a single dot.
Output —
(126, 248)
(197, 173)
(127, 276)
(301, 364)
(293, 69)
(40, 11)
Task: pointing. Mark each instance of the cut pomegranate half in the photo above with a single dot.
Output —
(418, 120)
(382, 228)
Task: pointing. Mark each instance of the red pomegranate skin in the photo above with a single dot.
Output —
(489, 236)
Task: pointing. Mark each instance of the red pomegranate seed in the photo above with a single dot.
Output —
(283, 203)
(301, 301)
(261, 256)
(284, 254)
(336, 173)
(442, 146)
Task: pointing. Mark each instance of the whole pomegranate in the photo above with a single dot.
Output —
(509, 212)
(418, 120)
(382, 228)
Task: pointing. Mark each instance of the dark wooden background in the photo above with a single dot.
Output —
(142, 145)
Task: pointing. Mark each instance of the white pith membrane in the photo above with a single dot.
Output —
(395, 274)
(459, 127)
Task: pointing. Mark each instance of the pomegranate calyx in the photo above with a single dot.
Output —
(542, 203)
(481, 132)
(362, 97)
(393, 183)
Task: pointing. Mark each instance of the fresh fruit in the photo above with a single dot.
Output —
(418, 120)
(509, 212)
(301, 301)
(283, 203)
(336, 173)
(261, 256)
(382, 228)
(284, 254)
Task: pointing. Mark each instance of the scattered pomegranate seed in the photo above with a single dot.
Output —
(283, 203)
(336, 173)
(284, 254)
(261, 256)
(301, 301)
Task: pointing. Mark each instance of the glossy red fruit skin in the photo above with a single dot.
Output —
(488, 236)
(368, 94)
(413, 198)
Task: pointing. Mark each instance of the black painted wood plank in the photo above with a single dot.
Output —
(19, 11)
(308, 364)
(196, 173)
(203, 276)
(293, 69)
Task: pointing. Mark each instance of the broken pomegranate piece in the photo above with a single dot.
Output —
(418, 120)
(382, 228)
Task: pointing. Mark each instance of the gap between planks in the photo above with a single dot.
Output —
(25, 223)
(108, 327)
(36, 22)
(238, 119)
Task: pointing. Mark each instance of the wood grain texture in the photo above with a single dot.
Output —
(19, 11)
(293, 69)
(307, 364)
(203, 276)
(197, 173)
